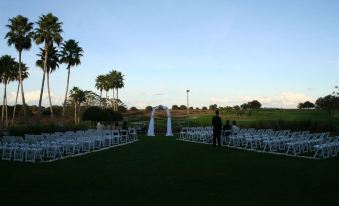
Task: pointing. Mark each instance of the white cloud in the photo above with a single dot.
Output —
(284, 99)
(32, 98)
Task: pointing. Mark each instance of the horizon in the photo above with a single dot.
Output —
(225, 52)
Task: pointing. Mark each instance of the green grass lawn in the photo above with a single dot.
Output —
(264, 118)
(165, 171)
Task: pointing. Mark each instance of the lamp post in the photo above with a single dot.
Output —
(188, 109)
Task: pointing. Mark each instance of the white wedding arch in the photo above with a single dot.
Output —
(150, 131)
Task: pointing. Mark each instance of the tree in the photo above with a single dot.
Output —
(106, 85)
(24, 75)
(99, 84)
(91, 99)
(112, 78)
(236, 108)
(52, 64)
(20, 35)
(336, 91)
(204, 108)
(301, 105)
(213, 107)
(77, 96)
(93, 114)
(328, 103)
(120, 82)
(133, 109)
(255, 104)
(182, 107)
(175, 107)
(244, 106)
(96, 114)
(149, 108)
(48, 32)
(70, 54)
(8, 73)
(308, 105)
(111, 116)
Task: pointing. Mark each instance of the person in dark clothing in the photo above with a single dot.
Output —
(227, 128)
(217, 126)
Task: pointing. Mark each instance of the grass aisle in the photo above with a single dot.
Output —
(164, 171)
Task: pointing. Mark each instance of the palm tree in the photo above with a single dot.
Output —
(52, 65)
(8, 73)
(20, 35)
(70, 55)
(77, 96)
(25, 74)
(48, 32)
(106, 85)
(113, 83)
(120, 82)
(99, 84)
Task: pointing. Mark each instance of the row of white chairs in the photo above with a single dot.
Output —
(46, 147)
(302, 143)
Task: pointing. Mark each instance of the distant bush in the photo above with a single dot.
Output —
(306, 105)
(122, 109)
(149, 108)
(213, 107)
(133, 109)
(175, 107)
(182, 107)
(96, 114)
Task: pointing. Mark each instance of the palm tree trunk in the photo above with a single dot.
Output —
(43, 79)
(117, 99)
(16, 102)
(78, 114)
(6, 109)
(75, 113)
(5, 101)
(49, 96)
(42, 92)
(22, 90)
(3, 106)
(64, 107)
(113, 100)
(100, 98)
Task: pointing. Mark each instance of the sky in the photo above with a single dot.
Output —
(225, 52)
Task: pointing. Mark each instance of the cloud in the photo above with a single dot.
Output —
(284, 99)
(32, 98)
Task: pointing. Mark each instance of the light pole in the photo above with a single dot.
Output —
(188, 109)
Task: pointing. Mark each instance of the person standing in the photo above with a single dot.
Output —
(217, 125)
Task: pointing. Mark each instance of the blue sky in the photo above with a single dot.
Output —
(225, 52)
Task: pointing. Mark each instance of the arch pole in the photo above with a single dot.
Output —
(150, 131)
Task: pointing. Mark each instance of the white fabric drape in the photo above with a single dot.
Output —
(150, 131)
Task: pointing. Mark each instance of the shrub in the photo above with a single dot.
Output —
(182, 107)
(175, 107)
(149, 108)
(96, 114)
(133, 109)
(213, 107)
